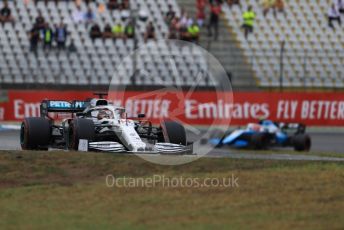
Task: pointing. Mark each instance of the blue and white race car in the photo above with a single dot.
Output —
(263, 135)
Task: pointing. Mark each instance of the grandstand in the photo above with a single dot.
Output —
(313, 54)
(94, 63)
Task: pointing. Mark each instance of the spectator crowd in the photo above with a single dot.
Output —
(188, 28)
(6, 14)
(334, 13)
(181, 25)
(42, 32)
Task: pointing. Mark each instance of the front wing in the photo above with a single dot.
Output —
(115, 147)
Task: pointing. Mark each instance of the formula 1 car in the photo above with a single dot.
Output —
(263, 135)
(97, 125)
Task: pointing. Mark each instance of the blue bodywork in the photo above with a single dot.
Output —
(240, 138)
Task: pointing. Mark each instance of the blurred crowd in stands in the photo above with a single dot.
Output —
(272, 5)
(334, 13)
(6, 14)
(188, 28)
(181, 26)
(42, 32)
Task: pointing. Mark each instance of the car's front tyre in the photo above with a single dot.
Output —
(173, 132)
(259, 141)
(80, 128)
(35, 133)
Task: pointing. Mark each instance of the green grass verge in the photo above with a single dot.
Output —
(67, 190)
(292, 152)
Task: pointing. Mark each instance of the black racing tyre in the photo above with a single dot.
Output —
(173, 132)
(302, 142)
(80, 128)
(35, 134)
(259, 141)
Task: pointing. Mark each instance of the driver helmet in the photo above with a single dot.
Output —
(254, 127)
(103, 114)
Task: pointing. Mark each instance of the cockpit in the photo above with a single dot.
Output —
(254, 127)
(102, 114)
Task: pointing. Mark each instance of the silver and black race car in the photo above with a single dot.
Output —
(97, 125)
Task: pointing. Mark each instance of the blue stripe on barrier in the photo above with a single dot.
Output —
(9, 127)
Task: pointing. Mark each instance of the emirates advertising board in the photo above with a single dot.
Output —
(198, 108)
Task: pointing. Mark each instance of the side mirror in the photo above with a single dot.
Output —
(141, 115)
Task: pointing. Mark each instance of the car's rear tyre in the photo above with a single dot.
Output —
(80, 129)
(259, 141)
(173, 132)
(302, 142)
(35, 134)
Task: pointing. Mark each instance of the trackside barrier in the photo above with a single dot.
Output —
(199, 108)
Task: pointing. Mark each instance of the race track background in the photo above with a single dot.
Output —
(322, 142)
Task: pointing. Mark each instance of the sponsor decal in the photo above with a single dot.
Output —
(59, 104)
(220, 110)
(202, 108)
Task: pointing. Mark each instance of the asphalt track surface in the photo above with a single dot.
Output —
(322, 142)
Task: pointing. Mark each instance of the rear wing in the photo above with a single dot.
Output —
(298, 127)
(49, 106)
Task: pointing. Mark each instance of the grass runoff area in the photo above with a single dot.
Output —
(69, 190)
